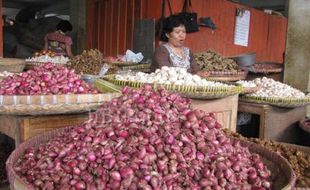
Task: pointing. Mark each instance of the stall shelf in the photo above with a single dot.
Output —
(21, 128)
(275, 123)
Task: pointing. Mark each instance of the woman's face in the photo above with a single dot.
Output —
(177, 36)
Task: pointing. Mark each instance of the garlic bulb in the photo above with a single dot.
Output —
(170, 75)
(272, 88)
(45, 58)
(247, 84)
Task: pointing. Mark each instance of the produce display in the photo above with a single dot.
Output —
(212, 61)
(45, 79)
(89, 62)
(299, 161)
(45, 52)
(47, 56)
(247, 84)
(272, 88)
(144, 139)
(170, 75)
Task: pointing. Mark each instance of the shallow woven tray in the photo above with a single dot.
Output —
(196, 92)
(223, 76)
(48, 109)
(303, 126)
(266, 68)
(282, 173)
(279, 102)
(32, 64)
(52, 104)
(121, 63)
(12, 65)
(137, 67)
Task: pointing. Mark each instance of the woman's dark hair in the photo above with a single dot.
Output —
(169, 23)
(64, 26)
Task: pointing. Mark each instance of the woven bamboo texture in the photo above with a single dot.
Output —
(12, 65)
(282, 174)
(279, 102)
(223, 76)
(266, 68)
(198, 92)
(304, 127)
(52, 104)
(105, 86)
(120, 63)
(32, 64)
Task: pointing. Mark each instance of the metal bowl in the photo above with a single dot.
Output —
(245, 60)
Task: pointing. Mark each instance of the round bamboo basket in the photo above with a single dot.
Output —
(12, 65)
(282, 174)
(195, 92)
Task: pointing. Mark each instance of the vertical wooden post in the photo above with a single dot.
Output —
(1, 31)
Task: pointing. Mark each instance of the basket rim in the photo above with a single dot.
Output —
(280, 102)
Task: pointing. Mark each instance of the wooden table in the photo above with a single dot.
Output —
(21, 128)
(225, 110)
(274, 123)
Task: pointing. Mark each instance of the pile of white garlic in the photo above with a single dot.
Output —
(247, 84)
(170, 75)
(272, 88)
(45, 58)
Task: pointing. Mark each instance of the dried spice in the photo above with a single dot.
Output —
(212, 61)
(89, 62)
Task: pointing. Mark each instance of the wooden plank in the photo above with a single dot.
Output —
(130, 23)
(1, 32)
(144, 37)
(32, 126)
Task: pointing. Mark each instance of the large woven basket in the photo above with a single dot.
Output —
(279, 102)
(12, 65)
(282, 174)
(196, 92)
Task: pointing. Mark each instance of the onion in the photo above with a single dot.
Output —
(44, 79)
(144, 139)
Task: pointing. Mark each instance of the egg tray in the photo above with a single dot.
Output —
(196, 92)
(279, 102)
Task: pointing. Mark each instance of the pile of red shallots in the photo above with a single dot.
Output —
(146, 140)
(45, 79)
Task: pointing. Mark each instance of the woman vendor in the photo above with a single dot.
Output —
(58, 41)
(173, 53)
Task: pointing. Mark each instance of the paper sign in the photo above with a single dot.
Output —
(242, 28)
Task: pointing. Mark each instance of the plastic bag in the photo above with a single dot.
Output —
(132, 57)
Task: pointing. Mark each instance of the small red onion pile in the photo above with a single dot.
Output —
(146, 140)
(45, 79)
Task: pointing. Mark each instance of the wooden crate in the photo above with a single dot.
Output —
(225, 110)
(21, 128)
